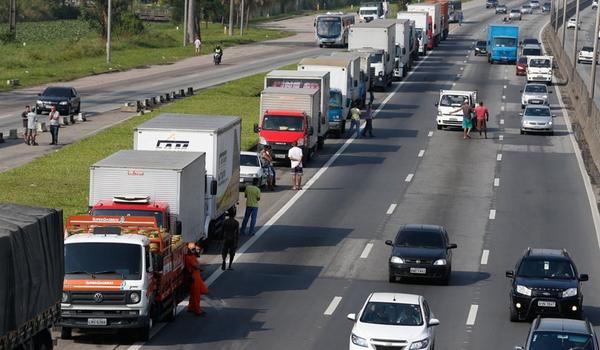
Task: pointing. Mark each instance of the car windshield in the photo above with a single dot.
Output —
(329, 27)
(283, 123)
(394, 314)
(537, 111)
(130, 212)
(539, 63)
(587, 48)
(57, 91)
(502, 7)
(249, 160)
(104, 258)
(504, 42)
(420, 239)
(526, 6)
(531, 52)
(522, 60)
(481, 44)
(335, 99)
(530, 42)
(515, 11)
(561, 341)
(452, 100)
(544, 268)
(536, 88)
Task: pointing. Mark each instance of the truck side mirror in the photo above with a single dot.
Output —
(178, 228)
(311, 131)
(256, 129)
(213, 188)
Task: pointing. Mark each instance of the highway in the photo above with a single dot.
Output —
(320, 251)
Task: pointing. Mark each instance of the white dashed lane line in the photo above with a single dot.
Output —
(409, 177)
(501, 121)
(497, 182)
(485, 256)
(421, 153)
(472, 315)
(366, 251)
(430, 134)
(492, 214)
(332, 306)
(499, 157)
(391, 209)
(501, 137)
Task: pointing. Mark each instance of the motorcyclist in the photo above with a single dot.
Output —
(218, 53)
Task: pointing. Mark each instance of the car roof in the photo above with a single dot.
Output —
(401, 298)
(554, 254)
(421, 227)
(563, 325)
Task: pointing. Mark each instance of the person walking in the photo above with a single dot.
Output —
(197, 286)
(467, 122)
(252, 194)
(460, 18)
(31, 134)
(53, 121)
(231, 234)
(371, 95)
(483, 116)
(369, 122)
(198, 45)
(24, 121)
(354, 121)
(267, 165)
(295, 155)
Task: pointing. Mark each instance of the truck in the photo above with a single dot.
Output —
(433, 9)
(319, 80)
(378, 35)
(449, 101)
(369, 11)
(362, 60)
(287, 116)
(331, 29)
(445, 18)
(403, 48)
(31, 270)
(539, 69)
(166, 186)
(219, 137)
(502, 43)
(423, 27)
(121, 272)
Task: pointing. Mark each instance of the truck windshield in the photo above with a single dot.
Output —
(539, 63)
(130, 212)
(377, 58)
(335, 99)
(504, 42)
(368, 12)
(283, 123)
(452, 100)
(329, 27)
(124, 260)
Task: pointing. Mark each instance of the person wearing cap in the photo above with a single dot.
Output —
(467, 122)
(197, 286)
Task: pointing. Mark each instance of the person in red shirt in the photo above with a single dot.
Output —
(483, 116)
(197, 286)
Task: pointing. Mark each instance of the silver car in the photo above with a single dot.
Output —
(535, 94)
(535, 4)
(537, 119)
(526, 9)
(251, 168)
(515, 14)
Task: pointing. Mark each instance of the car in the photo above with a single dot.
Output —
(515, 14)
(531, 50)
(536, 94)
(65, 98)
(530, 41)
(594, 4)
(526, 10)
(546, 7)
(251, 168)
(535, 4)
(393, 321)
(480, 48)
(521, 67)
(561, 333)
(572, 23)
(537, 119)
(491, 3)
(545, 282)
(501, 9)
(421, 251)
(586, 54)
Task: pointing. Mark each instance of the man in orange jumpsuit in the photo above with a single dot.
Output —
(197, 287)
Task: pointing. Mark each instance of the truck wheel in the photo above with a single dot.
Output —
(320, 143)
(308, 152)
(42, 341)
(170, 317)
(66, 333)
(144, 332)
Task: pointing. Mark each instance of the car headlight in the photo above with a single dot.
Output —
(523, 290)
(262, 141)
(550, 123)
(380, 73)
(134, 297)
(571, 292)
(39, 102)
(300, 142)
(65, 297)
(396, 260)
(438, 262)
(63, 103)
(356, 340)
(421, 344)
(439, 113)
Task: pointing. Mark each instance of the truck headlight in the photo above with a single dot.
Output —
(63, 103)
(300, 142)
(439, 262)
(523, 290)
(134, 297)
(571, 292)
(65, 297)
(262, 140)
(396, 260)
(356, 340)
(421, 344)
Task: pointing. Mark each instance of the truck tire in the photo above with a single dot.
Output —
(144, 332)
(66, 333)
(170, 317)
(43, 340)
(320, 143)
(307, 151)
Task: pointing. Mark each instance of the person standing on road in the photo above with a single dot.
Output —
(267, 165)
(371, 96)
(295, 155)
(252, 194)
(369, 122)
(354, 121)
(197, 286)
(483, 116)
(32, 120)
(198, 45)
(460, 18)
(467, 122)
(231, 234)
(24, 121)
(53, 121)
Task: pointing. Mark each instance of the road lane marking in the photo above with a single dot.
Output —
(409, 177)
(485, 256)
(492, 214)
(501, 137)
(502, 108)
(461, 68)
(497, 182)
(453, 84)
(499, 157)
(472, 315)
(504, 87)
(366, 251)
(501, 121)
(503, 97)
(391, 209)
(421, 153)
(465, 61)
(430, 134)
(332, 306)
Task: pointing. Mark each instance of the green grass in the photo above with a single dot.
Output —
(47, 53)
(61, 179)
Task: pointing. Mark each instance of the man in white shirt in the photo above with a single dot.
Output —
(54, 122)
(295, 156)
(198, 45)
(32, 119)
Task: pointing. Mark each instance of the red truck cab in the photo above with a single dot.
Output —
(430, 32)
(127, 206)
(280, 128)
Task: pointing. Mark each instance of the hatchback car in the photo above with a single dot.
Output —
(491, 3)
(480, 48)
(572, 23)
(521, 68)
(535, 4)
(530, 41)
(586, 54)
(421, 251)
(559, 334)
(537, 119)
(536, 94)
(64, 98)
(526, 10)
(546, 7)
(545, 282)
(251, 168)
(501, 9)
(515, 14)
(393, 321)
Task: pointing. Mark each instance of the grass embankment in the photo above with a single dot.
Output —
(65, 50)
(61, 179)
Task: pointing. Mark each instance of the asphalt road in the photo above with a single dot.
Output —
(498, 196)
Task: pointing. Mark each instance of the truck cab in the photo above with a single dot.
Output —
(450, 101)
(502, 42)
(338, 111)
(135, 206)
(279, 128)
(370, 11)
(539, 69)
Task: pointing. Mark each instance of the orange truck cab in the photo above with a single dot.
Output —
(142, 207)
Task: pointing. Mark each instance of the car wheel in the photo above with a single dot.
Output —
(522, 132)
(514, 317)
(439, 127)
(66, 333)
(392, 278)
(446, 279)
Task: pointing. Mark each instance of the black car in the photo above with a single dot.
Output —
(545, 282)
(491, 3)
(66, 99)
(421, 251)
(559, 334)
(501, 9)
(546, 7)
(480, 48)
(530, 41)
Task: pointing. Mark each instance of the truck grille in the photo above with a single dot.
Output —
(547, 292)
(107, 298)
(419, 261)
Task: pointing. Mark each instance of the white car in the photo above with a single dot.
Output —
(572, 23)
(393, 321)
(251, 168)
(594, 4)
(535, 4)
(535, 94)
(586, 54)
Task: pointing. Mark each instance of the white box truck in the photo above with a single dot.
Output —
(217, 136)
(436, 18)
(364, 81)
(168, 186)
(421, 27)
(403, 48)
(378, 35)
(305, 80)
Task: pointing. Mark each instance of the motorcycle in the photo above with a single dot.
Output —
(217, 57)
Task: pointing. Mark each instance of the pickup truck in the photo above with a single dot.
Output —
(450, 101)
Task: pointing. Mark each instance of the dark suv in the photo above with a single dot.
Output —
(64, 98)
(491, 3)
(559, 334)
(545, 282)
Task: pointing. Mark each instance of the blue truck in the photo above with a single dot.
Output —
(502, 42)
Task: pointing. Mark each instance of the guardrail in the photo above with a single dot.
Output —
(146, 105)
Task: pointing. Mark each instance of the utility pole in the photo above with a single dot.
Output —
(12, 20)
(185, 18)
(230, 17)
(242, 19)
(593, 86)
(575, 37)
(108, 29)
(564, 22)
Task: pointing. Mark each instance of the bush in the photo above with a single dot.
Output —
(128, 24)
(5, 36)
(65, 12)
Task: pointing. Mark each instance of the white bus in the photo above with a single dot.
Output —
(332, 29)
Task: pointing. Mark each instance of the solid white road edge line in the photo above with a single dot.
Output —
(472, 315)
(485, 256)
(501, 121)
(492, 214)
(332, 306)
(366, 251)
(391, 209)
(409, 177)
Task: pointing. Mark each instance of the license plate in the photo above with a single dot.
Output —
(96, 322)
(453, 119)
(418, 270)
(546, 303)
(282, 156)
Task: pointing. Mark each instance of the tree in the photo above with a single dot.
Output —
(95, 12)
